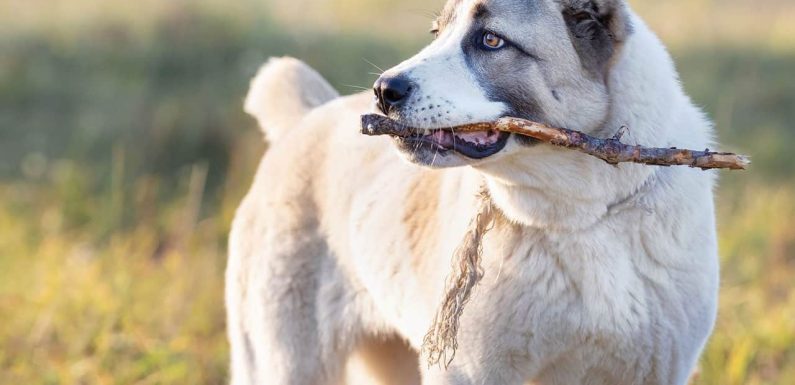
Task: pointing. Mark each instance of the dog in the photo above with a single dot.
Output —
(593, 273)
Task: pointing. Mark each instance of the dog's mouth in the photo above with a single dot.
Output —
(474, 141)
(474, 145)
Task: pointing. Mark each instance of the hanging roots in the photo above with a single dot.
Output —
(441, 341)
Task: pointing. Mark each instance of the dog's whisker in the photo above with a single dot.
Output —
(452, 130)
(435, 153)
(374, 65)
(357, 87)
(431, 14)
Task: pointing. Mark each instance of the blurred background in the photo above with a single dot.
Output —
(124, 152)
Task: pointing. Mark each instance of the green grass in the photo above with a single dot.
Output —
(123, 155)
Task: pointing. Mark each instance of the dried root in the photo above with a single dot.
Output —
(441, 342)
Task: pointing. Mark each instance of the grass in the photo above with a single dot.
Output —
(124, 152)
(134, 306)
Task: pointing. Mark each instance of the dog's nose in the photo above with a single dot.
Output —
(392, 92)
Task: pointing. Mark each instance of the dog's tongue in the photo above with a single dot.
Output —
(448, 139)
(442, 138)
(482, 138)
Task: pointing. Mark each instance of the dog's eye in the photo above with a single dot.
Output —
(492, 41)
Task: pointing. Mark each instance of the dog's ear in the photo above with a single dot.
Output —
(597, 29)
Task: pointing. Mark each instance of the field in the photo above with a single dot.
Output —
(124, 152)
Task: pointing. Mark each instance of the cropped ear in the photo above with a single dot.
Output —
(597, 29)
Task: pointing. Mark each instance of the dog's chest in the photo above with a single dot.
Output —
(561, 283)
(584, 281)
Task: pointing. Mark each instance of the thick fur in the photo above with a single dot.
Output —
(283, 92)
(594, 274)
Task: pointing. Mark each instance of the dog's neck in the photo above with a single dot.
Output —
(564, 190)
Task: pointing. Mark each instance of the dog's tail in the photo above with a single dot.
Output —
(283, 92)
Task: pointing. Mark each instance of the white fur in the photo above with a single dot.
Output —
(597, 275)
(283, 92)
(440, 68)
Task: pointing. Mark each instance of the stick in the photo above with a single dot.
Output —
(610, 150)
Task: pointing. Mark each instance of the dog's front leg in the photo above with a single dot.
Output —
(489, 352)
(458, 376)
(465, 371)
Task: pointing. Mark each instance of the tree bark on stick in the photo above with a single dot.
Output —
(610, 150)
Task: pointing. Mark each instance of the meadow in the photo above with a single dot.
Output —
(124, 152)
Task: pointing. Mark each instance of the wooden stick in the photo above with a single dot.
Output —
(610, 150)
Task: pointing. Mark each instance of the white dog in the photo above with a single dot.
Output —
(594, 274)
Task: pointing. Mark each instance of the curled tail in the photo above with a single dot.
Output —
(283, 92)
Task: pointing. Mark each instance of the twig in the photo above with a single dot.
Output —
(610, 150)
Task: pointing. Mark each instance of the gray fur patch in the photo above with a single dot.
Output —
(596, 29)
(502, 74)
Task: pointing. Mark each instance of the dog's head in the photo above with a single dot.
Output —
(543, 60)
